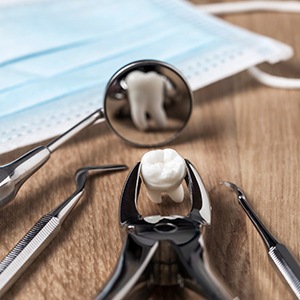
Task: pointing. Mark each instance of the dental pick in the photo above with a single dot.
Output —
(44, 231)
(279, 253)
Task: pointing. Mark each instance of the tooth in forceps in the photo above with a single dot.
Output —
(279, 253)
(163, 250)
(44, 231)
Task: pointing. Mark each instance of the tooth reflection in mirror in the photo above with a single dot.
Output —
(148, 103)
(146, 94)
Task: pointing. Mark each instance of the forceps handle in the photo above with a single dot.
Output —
(201, 277)
(26, 251)
(133, 261)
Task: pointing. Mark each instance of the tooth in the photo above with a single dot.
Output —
(146, 95)
(163, 172)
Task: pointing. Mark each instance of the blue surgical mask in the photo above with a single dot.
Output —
(57, 56)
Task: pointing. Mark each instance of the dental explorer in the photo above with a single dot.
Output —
(279, 253)
(44, 231)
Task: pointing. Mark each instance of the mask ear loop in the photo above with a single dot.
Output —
(274, 81)
(249, 6)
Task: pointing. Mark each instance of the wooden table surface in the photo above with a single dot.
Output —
(240, 131)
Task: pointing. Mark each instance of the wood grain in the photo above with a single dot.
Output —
(240, 131)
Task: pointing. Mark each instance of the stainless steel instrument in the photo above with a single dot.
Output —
(279, 253)
(44, 231)
(163, 250)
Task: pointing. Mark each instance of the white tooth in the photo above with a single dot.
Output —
(146, 95)
(177, 194)
(155, 196)
(163, 172)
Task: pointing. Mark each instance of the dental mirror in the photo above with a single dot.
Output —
(147, 103)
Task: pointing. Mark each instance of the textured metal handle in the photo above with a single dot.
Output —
(288, 266)
(27, 249)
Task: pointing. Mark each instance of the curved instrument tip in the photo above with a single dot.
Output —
(235, 188)
(81, 174)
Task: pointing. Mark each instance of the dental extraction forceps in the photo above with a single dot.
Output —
(279, 253)
(44, 231)
(163, 250)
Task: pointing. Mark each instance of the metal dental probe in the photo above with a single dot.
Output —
(44, 231)
(280, 255)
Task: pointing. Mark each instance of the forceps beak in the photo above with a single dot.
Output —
(201, 208)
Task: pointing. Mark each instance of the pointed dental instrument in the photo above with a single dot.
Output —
(44, 231)
(279, 253)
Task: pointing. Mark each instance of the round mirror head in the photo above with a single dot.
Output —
(147, 103)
